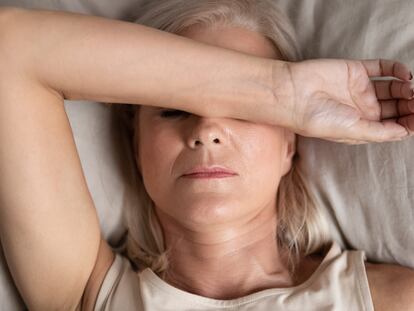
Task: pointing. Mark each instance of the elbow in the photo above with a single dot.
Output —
(6, 10)
(10, 17)
(7, 16)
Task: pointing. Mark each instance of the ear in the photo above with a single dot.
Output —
(289, 151)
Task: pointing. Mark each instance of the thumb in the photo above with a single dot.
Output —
(377, 131)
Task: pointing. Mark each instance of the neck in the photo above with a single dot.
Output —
(229, 262)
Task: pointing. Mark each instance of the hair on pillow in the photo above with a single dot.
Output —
(366, 189)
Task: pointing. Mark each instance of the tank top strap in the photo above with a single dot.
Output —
(358, 258)
(349, 267)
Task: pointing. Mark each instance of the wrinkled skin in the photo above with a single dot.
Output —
(336, 100)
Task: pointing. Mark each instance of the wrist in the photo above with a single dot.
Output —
(283, 94)
(264, 90)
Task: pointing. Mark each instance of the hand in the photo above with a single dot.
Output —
(336, 100)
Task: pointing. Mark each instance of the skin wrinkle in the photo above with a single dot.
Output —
(223, 231)
(348, 82)
(376, 88)
(382, 68)
(289, 70)
(399, 113)
(390, 87)
(350, 93)
(401, 86)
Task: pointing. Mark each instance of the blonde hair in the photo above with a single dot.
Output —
(301, 228)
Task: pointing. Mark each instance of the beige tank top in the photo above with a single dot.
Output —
(339, 283)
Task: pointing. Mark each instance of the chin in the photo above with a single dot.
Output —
(211, 210)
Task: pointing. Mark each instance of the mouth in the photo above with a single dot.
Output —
(214, 171)
(209, 175)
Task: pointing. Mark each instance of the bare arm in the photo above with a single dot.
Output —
(391, 286)
(94, 58)
(98, 59)
(48, 223)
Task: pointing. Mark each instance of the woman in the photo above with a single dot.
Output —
(220, 232)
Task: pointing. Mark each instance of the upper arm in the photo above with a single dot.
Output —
(103, 262)
(49, 228)
(391, 286)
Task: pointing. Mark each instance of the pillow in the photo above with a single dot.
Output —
(365, 189)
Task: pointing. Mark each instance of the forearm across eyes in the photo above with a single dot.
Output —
(99, 59)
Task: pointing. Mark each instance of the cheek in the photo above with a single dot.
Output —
(157, 151)
(263, 152)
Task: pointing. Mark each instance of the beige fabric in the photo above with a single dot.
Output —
(339, 283)
(366, 190)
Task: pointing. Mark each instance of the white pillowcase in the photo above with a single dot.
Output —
(366, 190)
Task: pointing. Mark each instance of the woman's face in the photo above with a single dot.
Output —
(171, 144)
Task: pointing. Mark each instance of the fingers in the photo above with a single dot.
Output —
(393, 89)
(396, 108)
(408, 123)
(385, 67)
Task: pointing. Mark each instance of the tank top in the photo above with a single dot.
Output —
(339, 283)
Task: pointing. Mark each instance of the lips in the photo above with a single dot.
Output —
(206, 171)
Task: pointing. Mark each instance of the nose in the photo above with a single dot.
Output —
(206, 132)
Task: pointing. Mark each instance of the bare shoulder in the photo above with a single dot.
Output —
(391, 286)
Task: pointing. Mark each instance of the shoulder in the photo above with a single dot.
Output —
(391, 286)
